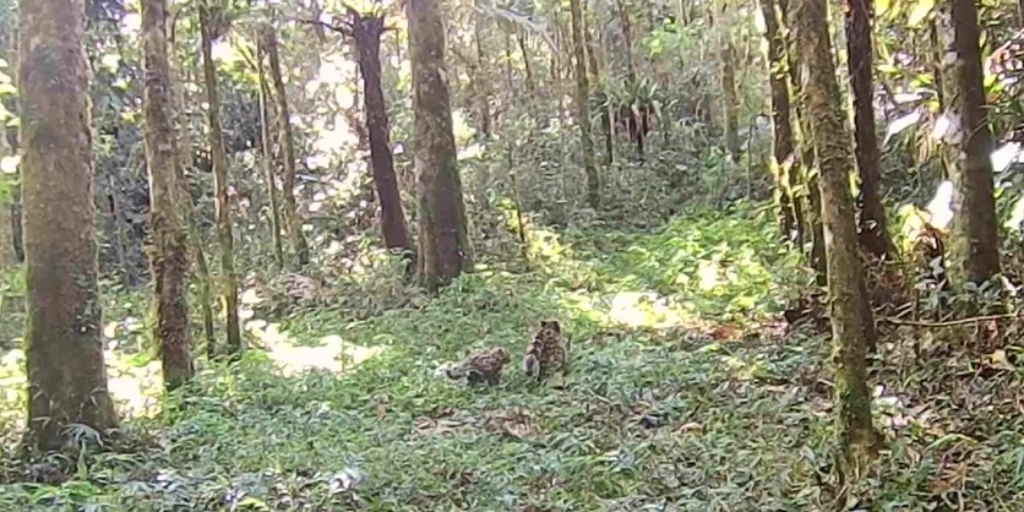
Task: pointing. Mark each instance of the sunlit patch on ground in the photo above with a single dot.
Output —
(331, 354)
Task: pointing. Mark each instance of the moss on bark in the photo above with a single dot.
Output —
(67, 376)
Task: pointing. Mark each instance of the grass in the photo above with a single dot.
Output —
(683, 395)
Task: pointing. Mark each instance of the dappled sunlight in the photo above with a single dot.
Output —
(332, 353)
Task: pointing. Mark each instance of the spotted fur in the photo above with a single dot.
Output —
(546, 351)
(483, 366)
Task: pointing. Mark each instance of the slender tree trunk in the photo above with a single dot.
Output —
(444, 250)
(802, 138)
(852, 397)
(874, 232)
(636, 125)
(268, 158)
(783, 147)
(600, 93)
(582, 106)
(482, 78)
(527, 67)
(12, 210)
(229, 284)
(67, 376)
(169, 258)
(366, 33)
(184, 156)
(291, 211)
(730, 100)
(974, 235)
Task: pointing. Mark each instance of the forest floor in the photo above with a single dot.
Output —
(685, 394)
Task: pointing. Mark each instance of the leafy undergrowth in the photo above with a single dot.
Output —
(684, 394)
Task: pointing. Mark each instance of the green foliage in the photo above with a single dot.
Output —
(681, 394)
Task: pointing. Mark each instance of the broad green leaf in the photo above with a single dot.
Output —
(920, 12)
(881, 7)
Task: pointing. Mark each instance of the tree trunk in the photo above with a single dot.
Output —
(268, 157)
(582, 105)
(783, 148)
(595, 75)
(527, 67)
(635, 124)
(169, 256)
(291, 211)
(874, 232)
(730, 100)
(802, 138)
(974, 236)
(444, 250)
(852, 397)
(366, 33)
(67, 376)
(184, 156)
(229, 282)
(481, 78)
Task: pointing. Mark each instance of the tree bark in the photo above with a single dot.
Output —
(366, 31)
(974, 236)
(874, 231)
(852, 397)
(291, 211)
(268, 157)
(444, 251)
(595, 75)
(184, 156)
(67, 376)
(222, 208)
(169, 254)
(582, 105)
(784, 159)
(633, 119)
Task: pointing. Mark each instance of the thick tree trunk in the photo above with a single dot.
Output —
(268, 158)
(444, 250)
(222, 209)
(291, 210)
(582, 105)
(67, 376)
(169, 257)
(874, 232)
(974, 235)
(855, 431)
(784, 160)
(481, 77)
(366, 33)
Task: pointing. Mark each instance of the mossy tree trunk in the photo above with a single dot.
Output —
(67, 377)
(287, 140)
(268, 157)
(784, 159)
(184, 156)
(444, 250)
(366, 32)
(874, 231)
(210, 30)
(852, 397)
(808, 166)
(974, 236)
(579, 53)
(169, 252)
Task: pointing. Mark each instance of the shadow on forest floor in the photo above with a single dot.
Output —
(683, 395)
